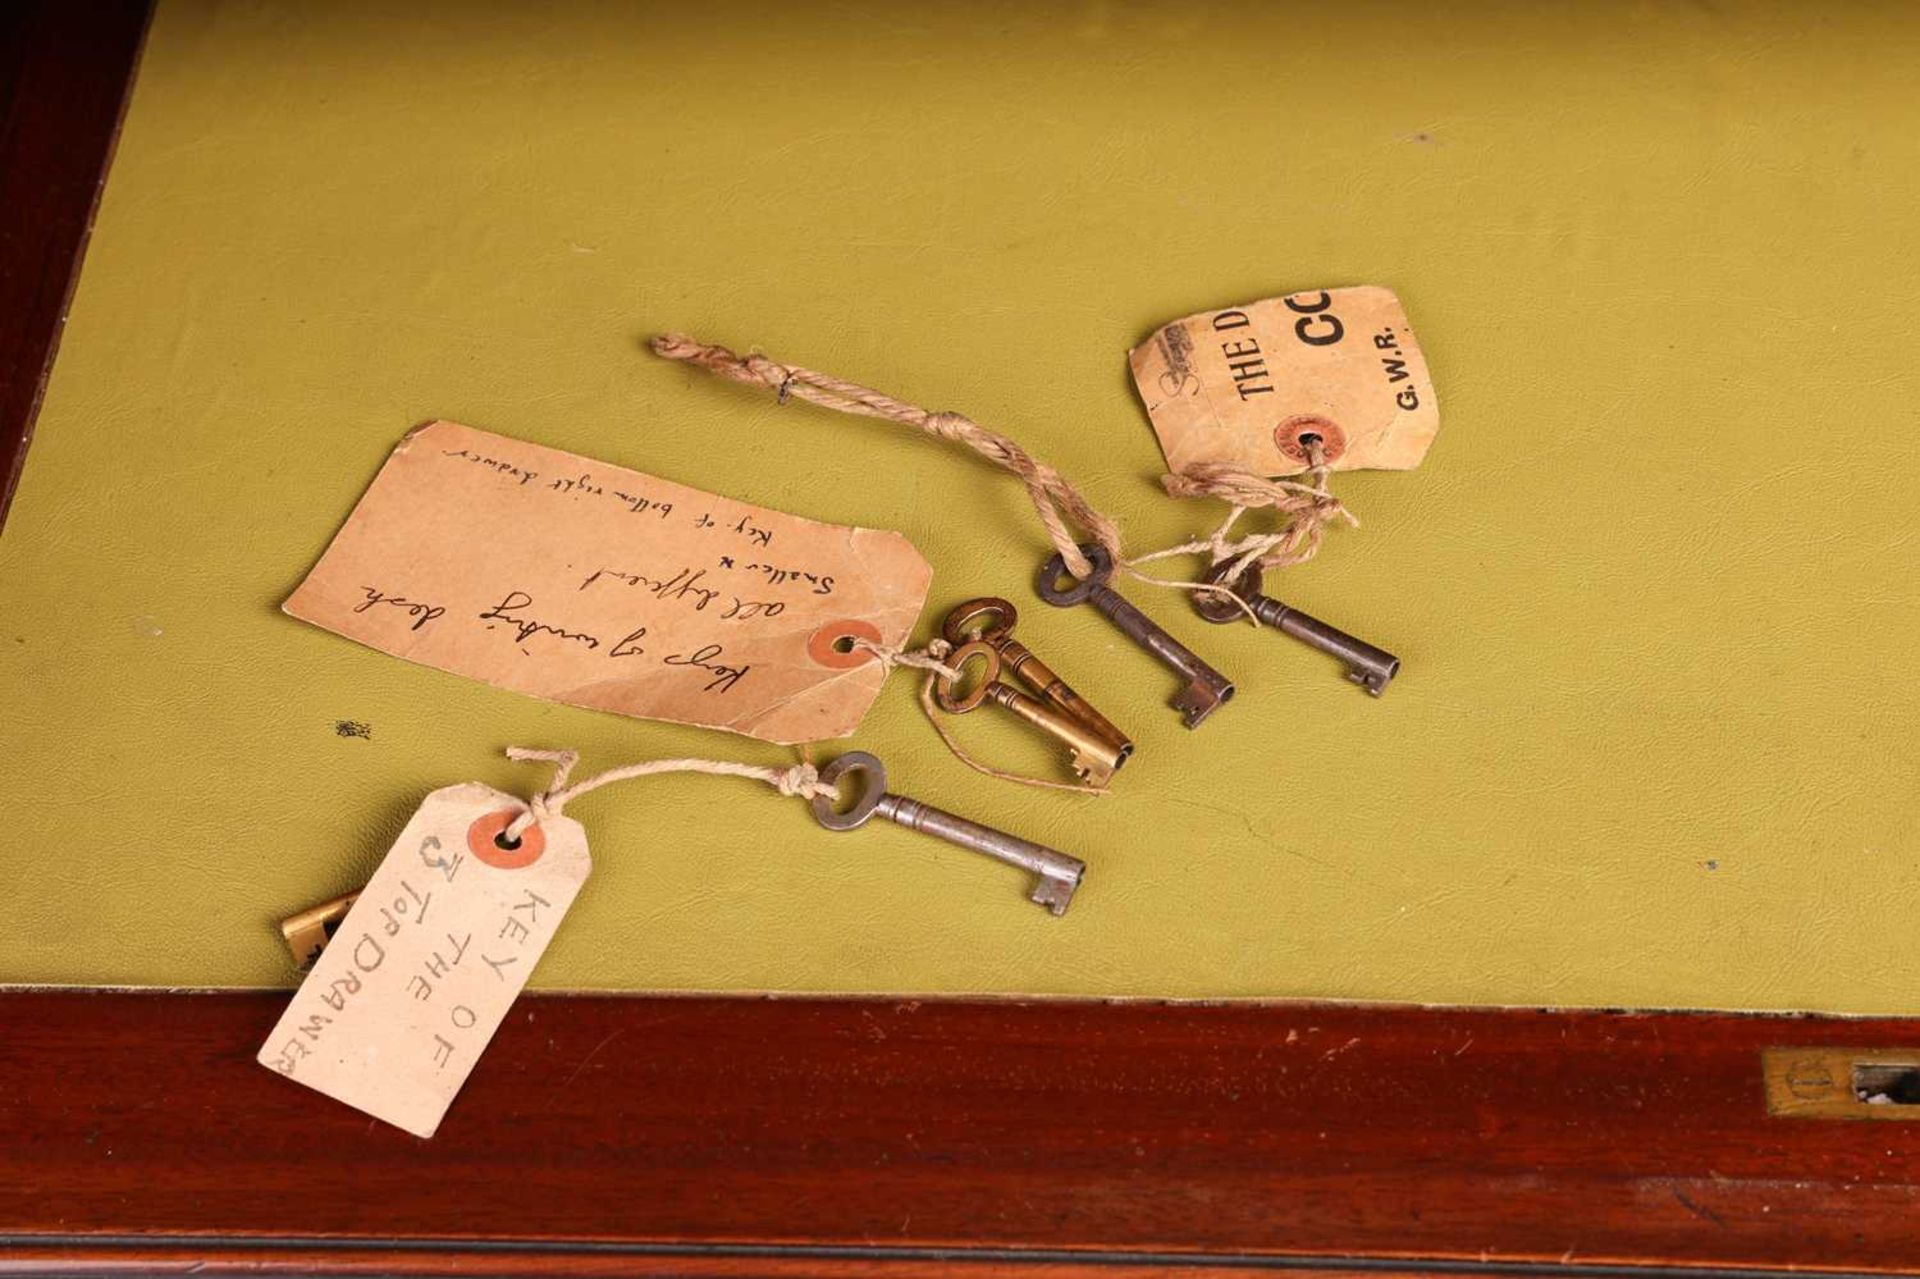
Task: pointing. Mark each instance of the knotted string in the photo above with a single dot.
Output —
(801, 780)
(1057, 502)
(926, 659)
(1306, 510)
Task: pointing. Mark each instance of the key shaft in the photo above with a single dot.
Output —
(1094, 757)
(1368, 666)
(1056, 875)
(1206, 687)
(1037, 675)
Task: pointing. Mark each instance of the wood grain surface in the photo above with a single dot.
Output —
(628, 1133)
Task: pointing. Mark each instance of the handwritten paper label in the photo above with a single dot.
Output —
(552, 574)
(1242, 385)
(424, 967)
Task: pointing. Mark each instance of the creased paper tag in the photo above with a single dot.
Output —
(556, 575)
(425, 966)
(1226, 386)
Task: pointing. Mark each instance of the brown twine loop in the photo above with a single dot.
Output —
(1306, 509)
(801, 780)
(1055, 500)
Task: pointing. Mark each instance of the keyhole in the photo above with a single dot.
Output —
(1887, 1083)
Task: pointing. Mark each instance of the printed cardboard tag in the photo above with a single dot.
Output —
(424, 967)
(1228, 386)
(552, 574)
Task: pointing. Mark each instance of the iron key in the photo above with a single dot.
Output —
(1058, 873)
(1206, 688)
(1371, 668)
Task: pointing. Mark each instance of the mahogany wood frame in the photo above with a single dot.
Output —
(695, 1136)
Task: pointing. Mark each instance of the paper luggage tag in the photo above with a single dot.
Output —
(423, 969)
(1227, 386)
(552, 574)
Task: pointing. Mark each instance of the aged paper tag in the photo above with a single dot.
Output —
(552, 574)
(423, 969)
(1227, 386)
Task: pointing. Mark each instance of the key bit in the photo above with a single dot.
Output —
(991, 620)
(1371, 668)
(1058, 875)
(1094, 758)
(1206, 688)
(308, 933)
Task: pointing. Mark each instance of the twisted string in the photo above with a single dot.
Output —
(1057, 502)
(1306, 510)
(801, 780)
(927, 659)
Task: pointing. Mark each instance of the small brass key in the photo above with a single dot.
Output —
(1371, 668)
(964, 624)
(1094, 757)
(1206, 688)
(308, 933)
(1058, 873)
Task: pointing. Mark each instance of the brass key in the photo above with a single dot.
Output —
(308, 933)
(1206, 688)
(1371, 668)
(1094, 758)
(999, 616)
(1058, 873)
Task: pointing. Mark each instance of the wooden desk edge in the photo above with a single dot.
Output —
(611, 1134)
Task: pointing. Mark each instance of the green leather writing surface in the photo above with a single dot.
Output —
(1654, 586)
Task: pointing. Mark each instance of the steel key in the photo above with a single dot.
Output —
(1371, 668)
(1206, 688)
(1058, 874)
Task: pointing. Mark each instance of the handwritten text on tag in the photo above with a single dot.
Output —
(1243, 384)
(552, 574)
(425, 966)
